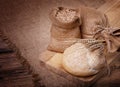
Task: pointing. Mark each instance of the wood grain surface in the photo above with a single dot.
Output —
(27, 25)
(12, 72)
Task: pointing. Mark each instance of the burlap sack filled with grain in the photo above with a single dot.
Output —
(95, 25)
(91, 19)
(84, 59)
(65, 24)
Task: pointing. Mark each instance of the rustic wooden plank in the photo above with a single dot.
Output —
(112, 9)
(108, 5)
(113, 14)
(12, 72)
(81, 81)
(94, 3)
(5, 50)
(7, 55)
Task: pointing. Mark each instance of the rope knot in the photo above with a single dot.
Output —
(110, 35)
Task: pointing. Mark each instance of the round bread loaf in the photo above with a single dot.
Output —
(80, 61)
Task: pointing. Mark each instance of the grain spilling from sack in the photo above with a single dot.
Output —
(65, 24)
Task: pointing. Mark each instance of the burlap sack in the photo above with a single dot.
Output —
(69, 25)
(84, 23)
(91, 18)
(95, 25)
(65, 24)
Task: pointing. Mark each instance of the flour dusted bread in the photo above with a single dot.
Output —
(65, 24)
(80, 61)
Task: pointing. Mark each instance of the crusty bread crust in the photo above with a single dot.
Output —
(80, 61)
